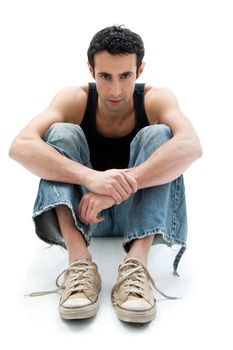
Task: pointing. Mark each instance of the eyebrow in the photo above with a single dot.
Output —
(108, 74)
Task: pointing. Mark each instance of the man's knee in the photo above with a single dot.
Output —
(63, 131)
(154, 134)
(69, 140)
(159, 131)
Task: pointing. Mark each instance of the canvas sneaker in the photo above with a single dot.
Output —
(132, 295)
(81, 284)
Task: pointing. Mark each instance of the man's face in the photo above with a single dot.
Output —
(115, 77)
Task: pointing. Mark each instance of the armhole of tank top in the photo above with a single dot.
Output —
(89, 107)
(140, 88)
(140, 107)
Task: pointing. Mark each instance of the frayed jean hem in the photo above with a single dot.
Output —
(160, 238)
(56, 238)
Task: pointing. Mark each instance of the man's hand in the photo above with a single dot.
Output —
(116, 183)
(91, 204)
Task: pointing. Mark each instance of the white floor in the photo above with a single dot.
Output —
(39, 317)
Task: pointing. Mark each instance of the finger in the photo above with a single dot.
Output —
(93, 214)
(79, 209)
(121, 186)
(131, 181)
(97, 220)
(117, 191)
(125, 185)
(83, 209)
(113, 192)
(89, 210)
(123, 189)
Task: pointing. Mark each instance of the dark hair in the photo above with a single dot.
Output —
(117, 40)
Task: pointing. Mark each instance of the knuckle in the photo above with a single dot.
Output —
(86, 196)
(108, 189)
(114, 180)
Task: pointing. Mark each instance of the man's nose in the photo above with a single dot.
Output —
(115, 90)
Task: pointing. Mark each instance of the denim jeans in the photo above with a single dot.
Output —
(159, 210)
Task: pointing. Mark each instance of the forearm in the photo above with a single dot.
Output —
(167, 163)
(46, 162)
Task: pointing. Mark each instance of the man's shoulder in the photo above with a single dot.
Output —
(155, 92)
(156, 99)
(156, 96)
(73, 92)
(71, 102)
(72, 96)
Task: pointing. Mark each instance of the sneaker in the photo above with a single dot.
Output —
(81, 284)
(132, 295)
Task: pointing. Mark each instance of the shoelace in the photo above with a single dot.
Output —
(78, 281)
(133, 284)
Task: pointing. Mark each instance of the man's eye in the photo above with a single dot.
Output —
(125, 76)
(105, 77)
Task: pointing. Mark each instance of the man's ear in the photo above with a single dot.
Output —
(91, 69)
(141, 69)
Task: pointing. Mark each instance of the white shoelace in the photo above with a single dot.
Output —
(78, 282)
(133, 279)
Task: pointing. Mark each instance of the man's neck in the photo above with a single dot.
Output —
(114, 116)
(115, 123)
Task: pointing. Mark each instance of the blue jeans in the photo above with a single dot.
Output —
(159, 210)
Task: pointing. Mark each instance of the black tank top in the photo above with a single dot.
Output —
(105, 152)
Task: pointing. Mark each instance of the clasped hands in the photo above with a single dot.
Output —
(106, 188)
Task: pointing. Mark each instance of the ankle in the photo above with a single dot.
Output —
(141, 258)
(79, 255)
(77, 249)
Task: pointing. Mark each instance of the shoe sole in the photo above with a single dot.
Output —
(78, 312)
(144, 316)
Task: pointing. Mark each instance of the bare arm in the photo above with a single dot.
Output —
(33, 153)
(176, 155)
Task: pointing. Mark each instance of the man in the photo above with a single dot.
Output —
(111, 157)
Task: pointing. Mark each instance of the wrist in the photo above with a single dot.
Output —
(86, 177)
(135, 173)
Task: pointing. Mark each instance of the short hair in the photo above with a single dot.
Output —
(117, 40)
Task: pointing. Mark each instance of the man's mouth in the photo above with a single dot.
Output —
(114, 101)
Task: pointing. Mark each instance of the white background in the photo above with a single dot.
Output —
(188, 49)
